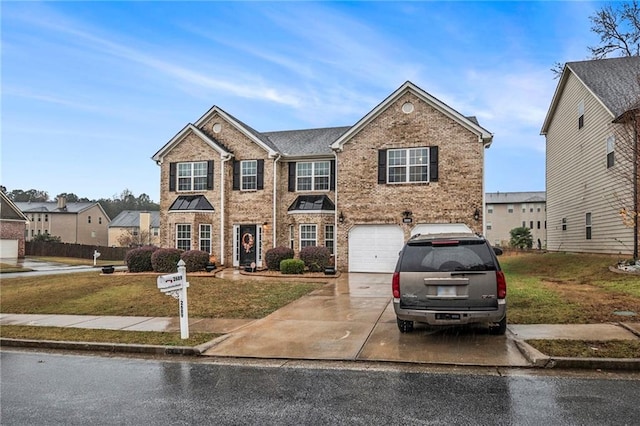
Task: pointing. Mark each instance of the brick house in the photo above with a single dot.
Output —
(359, 190)
(12, 229)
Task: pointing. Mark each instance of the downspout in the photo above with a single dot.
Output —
(222, 210)
(335, 215)
(275, 193)
(635, 186)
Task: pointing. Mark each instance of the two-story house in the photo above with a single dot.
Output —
(507, 210)
(359, 190)
(76, 223)
(590, 143)
(133, 227)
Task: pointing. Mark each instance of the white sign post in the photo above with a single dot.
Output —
(175, 285)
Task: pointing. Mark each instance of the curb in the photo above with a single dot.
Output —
(540, 360)
(103, 347)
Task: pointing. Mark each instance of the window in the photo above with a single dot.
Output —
(183, 237)
(564, 223)
(155, 231)
(587, 220)
(307, 236)
(408, 165)
(531, 224)
(313, 176)
(46, 218)
(489, 226)
(88, 219)
(328, 237)
(489, 208)
(249, 178)
(524, 224)
(205, 238)
(135, 232)
(538, 210)
(291, 236)
(524, 208)
(40, 218)
(611, 142)
(531, 210)
(581, 115)
(510, 208)
(192, 176)
(99, 220)
(538, 224)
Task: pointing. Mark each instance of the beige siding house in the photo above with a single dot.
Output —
(76, 223)
(133, 227)
(507, 210)
(359, 190)
(584, 172)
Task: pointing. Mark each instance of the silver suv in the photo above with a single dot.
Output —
(449, 279)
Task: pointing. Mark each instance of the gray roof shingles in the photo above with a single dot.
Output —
(515, 197)
(297, 143)
(131, 219)
(615, 81)
(52, 207)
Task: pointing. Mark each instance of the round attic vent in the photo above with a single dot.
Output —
(407, 107)
(217, 127)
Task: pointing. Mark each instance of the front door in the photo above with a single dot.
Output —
(248, 243)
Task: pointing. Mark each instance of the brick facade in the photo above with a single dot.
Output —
(358, 196)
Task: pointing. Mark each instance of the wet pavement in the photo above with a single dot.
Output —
(351, 319)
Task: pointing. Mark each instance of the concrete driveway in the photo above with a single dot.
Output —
(353, 319)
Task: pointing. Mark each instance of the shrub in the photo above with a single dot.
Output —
(139, 259)
(195, 260)
(274, 256)
(165, 260)
(292, 266)
(316, 258)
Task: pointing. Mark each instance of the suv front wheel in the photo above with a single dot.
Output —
(405, 326)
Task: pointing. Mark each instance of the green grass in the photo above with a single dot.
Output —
(101, 336)
(90, 293)
(588, 348)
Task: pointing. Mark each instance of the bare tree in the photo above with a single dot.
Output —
(619, 31)
(133, 238)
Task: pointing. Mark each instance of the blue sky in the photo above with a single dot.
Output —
(91, 90)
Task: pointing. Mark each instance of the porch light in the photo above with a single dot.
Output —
(476, 215)
(341, 218)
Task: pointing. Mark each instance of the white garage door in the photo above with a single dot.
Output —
(374, 248)
(8, 249)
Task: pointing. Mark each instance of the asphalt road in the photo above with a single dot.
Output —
(41, 388)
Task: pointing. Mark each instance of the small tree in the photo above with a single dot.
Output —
(133, 238)
(521, 238)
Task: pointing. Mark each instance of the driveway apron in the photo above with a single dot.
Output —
(353, 319)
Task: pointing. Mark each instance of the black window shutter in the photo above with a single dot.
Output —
(236, 175)
(260, 176)
(292, 177)
(172, 176)
(210, 174)
(332, 175)
(382, 166)
(433, 164)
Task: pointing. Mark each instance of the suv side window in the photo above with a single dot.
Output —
(458, 256)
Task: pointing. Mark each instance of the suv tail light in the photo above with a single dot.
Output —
(395, 285)
(502, 285)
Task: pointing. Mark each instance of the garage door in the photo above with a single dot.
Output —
(8, 249)
(374, 248)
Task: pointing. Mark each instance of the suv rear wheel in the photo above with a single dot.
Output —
(499, 328)
(405, 326)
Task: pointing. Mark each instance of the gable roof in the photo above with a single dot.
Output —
(9, 211)
(515, 197)
(614, 82)
(131, 219)
(469, 123)
(189, 128)
(52, 207)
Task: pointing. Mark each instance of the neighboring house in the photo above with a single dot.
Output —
(360, 190)
(12, 229)
(507, 210)
(134, 227)
(76, 223)
(589, 172)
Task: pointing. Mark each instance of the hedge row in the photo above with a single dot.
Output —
(312, 258)
(149, 258)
